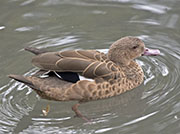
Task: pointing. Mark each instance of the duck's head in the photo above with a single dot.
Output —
(126, 49)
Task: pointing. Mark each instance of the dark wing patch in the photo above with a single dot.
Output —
(69, 76)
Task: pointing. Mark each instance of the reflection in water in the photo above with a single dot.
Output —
(151, 108)
(23, 29)
(52, 42)
(147, 21)
(27, 2)
(127, 123)
(159, 9)
(2, 27)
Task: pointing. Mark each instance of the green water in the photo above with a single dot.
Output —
(152, 108)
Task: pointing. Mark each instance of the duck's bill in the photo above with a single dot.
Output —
(151, 52)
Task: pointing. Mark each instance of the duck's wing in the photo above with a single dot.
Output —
(53, 88)
(89, 63)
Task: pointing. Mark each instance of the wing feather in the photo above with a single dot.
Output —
(89, 63)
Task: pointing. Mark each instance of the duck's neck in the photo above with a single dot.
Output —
(134, 74)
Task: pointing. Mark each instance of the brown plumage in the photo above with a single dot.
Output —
(113, 73)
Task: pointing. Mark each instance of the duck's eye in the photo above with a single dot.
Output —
(134, 47)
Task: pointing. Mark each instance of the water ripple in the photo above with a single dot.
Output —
(151, 98)
(159, 9)
(2, 27)
(23, 29)
(44, 42)
(27, 2)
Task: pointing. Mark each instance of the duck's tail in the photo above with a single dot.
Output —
(22, 79)
(35, 51)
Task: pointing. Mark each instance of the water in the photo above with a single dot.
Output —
(153, 107)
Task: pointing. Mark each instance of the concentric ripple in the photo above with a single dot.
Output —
(156, 96)
(151, 108)
(14, 104)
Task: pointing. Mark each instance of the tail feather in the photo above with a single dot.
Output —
(22, 79)
(35, 51)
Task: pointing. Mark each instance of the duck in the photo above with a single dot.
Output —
(111, 74)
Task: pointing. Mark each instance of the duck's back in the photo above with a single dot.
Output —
(89, 63)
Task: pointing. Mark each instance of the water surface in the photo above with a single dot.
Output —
(153, 107)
